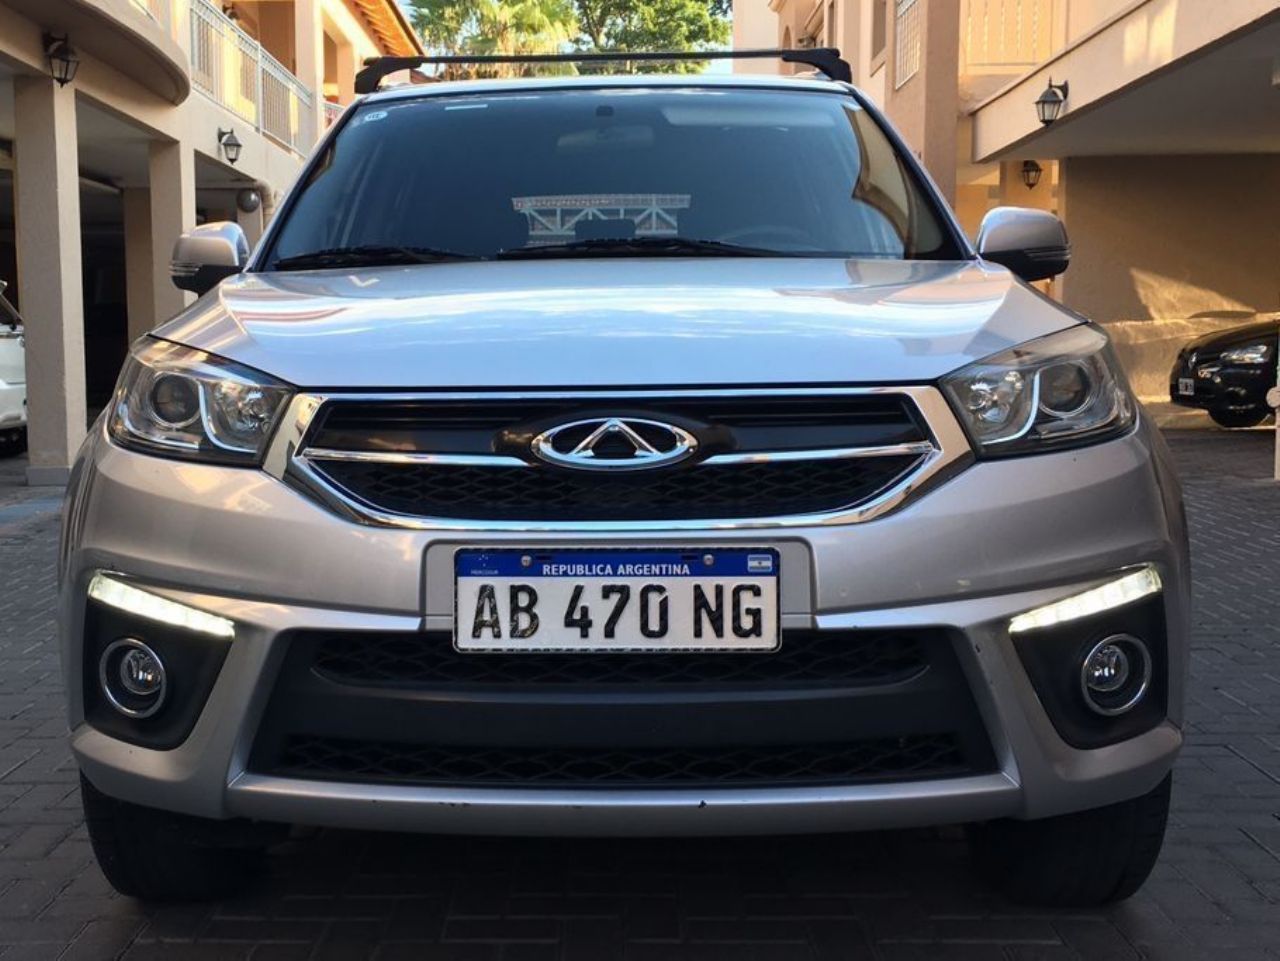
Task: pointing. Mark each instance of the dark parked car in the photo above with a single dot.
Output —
(1228, 373)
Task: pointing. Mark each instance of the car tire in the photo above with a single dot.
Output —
(1251, 417)
(13, 442)
(1078, 860)
(161, 856)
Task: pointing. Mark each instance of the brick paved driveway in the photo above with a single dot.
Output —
(1215, 893)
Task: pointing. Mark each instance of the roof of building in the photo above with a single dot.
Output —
(388, 26)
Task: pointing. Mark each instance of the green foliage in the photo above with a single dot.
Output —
(494, 27)
(612, 25)
(550, 26)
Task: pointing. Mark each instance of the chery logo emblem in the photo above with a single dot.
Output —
(614, 443)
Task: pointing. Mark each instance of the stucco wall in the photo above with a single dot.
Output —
(1166, 248)
(1085, 15)
(754, 25)
(925, 107)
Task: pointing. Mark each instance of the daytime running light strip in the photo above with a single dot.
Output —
(153, 607)
(1117, 593)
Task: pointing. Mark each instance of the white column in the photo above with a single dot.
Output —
(139, 283)
(47, 221)
(308, 55)
(1273, 401)
(251, 223)
(346, 76)
(1013, 192)
(173, 211)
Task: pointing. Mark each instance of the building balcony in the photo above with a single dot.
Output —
(234, 70)
(135, 37)
(1158, 77)
(1008, 36)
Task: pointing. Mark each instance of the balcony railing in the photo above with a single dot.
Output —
(1006, 35)
(233, 69)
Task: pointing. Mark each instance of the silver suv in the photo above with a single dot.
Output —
(624, 456)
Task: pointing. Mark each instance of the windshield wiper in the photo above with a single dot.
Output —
(368, 255)
(640, 247)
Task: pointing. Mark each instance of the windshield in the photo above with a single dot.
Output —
(635, 172)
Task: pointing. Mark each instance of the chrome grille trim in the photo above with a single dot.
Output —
(835, 453)
(288, 460)
(412, 457)
(502, 460)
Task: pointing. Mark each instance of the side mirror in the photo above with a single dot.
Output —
(1031, 243)
(204, 256)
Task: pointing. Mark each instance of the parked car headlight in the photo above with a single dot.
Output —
(1053, 392)
(179, 402)
(1251, 354)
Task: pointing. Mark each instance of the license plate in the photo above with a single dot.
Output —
(624, 600)
(1186, 386)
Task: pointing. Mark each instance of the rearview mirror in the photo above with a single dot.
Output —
(204, 256)
(1031, 243)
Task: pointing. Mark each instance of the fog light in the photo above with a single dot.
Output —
(133, 677)
(1115, 674)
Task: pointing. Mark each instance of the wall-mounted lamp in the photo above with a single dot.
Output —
(63, 61)
(248, 199)
(1031, 173)
(1049, 104)
(230, 144)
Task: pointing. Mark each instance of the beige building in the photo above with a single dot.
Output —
(100, 174)
(1164, 160)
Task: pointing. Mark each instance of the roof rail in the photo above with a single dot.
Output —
(825, 59)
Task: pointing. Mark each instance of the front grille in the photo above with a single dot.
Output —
(771, 455)
(808, 658)
(898, 759)
(756, 423)
(543, 494)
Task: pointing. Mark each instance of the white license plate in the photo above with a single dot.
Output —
(1186, 386)
(605, 600)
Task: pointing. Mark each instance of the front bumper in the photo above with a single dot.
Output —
(13, 406)
(1221, 387)
(997, 539)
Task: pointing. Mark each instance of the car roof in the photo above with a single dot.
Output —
(596, 81)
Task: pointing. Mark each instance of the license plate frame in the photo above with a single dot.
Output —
(1186, 387)
(506, 567)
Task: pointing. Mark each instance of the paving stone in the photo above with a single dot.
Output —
(897, 896)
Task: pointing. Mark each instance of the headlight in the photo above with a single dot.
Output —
(1252, 354)
(1057, 391)
(179, 402)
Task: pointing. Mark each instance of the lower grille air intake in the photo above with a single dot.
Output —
(903, 758)
(429, 661)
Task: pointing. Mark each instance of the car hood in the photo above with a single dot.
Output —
(1222, 339)
(617, 322)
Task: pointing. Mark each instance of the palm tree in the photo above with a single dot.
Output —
(502, 27)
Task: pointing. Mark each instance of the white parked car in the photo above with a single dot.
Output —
(13, 379)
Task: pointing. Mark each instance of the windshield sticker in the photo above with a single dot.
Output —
(375, 115)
